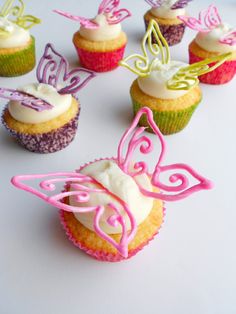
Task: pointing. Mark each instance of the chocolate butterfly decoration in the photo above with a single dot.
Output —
(16, 15)
(76, 184)
(185, 78)
(53, 69)
(109, 8)
(180, 4)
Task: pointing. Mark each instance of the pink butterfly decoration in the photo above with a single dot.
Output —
(179, 4)
(229, 39)
(74, 183)
(52, 70)
(108, 7)
(208, 19)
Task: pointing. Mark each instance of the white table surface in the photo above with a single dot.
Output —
(190, 266)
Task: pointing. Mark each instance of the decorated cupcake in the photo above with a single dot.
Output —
(112, 207)
(100, 42)
(170, 88)
(17, 46)
(165, 13)
(214, 37)
(43, 116)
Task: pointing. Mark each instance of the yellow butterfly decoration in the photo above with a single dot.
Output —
(185, 78)
(16, 15)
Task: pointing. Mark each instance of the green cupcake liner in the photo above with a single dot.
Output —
(169, 122)
(18, 63)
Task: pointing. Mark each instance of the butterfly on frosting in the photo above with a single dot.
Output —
(53, 69)
(13, 10)
(109, 8)
(208, 20)
(179, 4)
(76, 184)
(154, 54)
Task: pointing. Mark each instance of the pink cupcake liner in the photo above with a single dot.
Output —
(222, 75)
(100, 61)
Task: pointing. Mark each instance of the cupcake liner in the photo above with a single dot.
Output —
(100, 61)
(169, 122)
(173, 34)
(222, 75)
(80, 235)
(19, 62)
(49, 142)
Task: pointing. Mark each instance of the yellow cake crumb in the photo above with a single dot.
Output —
(99, 46)
(44, 127)
(192, 97)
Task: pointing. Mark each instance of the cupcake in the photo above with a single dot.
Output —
(43, 116)
(112, 207)
(100, 42)
(165, 13)
(214, 38)
(170, 88)
(17, 46)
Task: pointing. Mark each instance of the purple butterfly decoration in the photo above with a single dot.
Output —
(180, 4)
(107, 7)
(76, 183)
(52, 70)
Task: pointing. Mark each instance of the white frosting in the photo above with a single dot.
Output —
(155, 84)
(108, 173)
(103, 32)
(210, 41)
(15, 36)
(165, 11)
(60, 103)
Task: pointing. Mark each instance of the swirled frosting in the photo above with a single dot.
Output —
(11, 35)
(60, 103)
(154, 85)
(210, 40)
(108, 174)
(103, 33)
(165, 11)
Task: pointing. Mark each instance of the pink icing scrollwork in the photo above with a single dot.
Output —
(107, 7)
(179, 191)
(229, 39)
(179, 4)
(208, 19)
(75, 185)
(53, 67)
(25, 99)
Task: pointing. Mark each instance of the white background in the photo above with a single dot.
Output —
(190, 266)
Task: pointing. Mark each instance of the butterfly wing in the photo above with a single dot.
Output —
(229, 39)
(108, 6)
(25, 99)
(87, 23)
(180, 4)
(76, 185)
(155, 3)
(187, 77)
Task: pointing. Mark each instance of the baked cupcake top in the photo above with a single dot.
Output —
(105, 25)
(52, 95)
(114, 195)
(213, 34)
(168, 9)
(14, 25)
(161, 77)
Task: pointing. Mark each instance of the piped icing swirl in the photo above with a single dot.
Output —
(104, 32)
(154, 84)
(12, 35)
(165, 11)
(60, 103)
(210, 41)
(110, 176)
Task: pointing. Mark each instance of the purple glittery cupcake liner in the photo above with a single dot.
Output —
(49, 142)
(173, 34)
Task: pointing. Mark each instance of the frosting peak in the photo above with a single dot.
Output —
(165, 11)
(104, 32)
